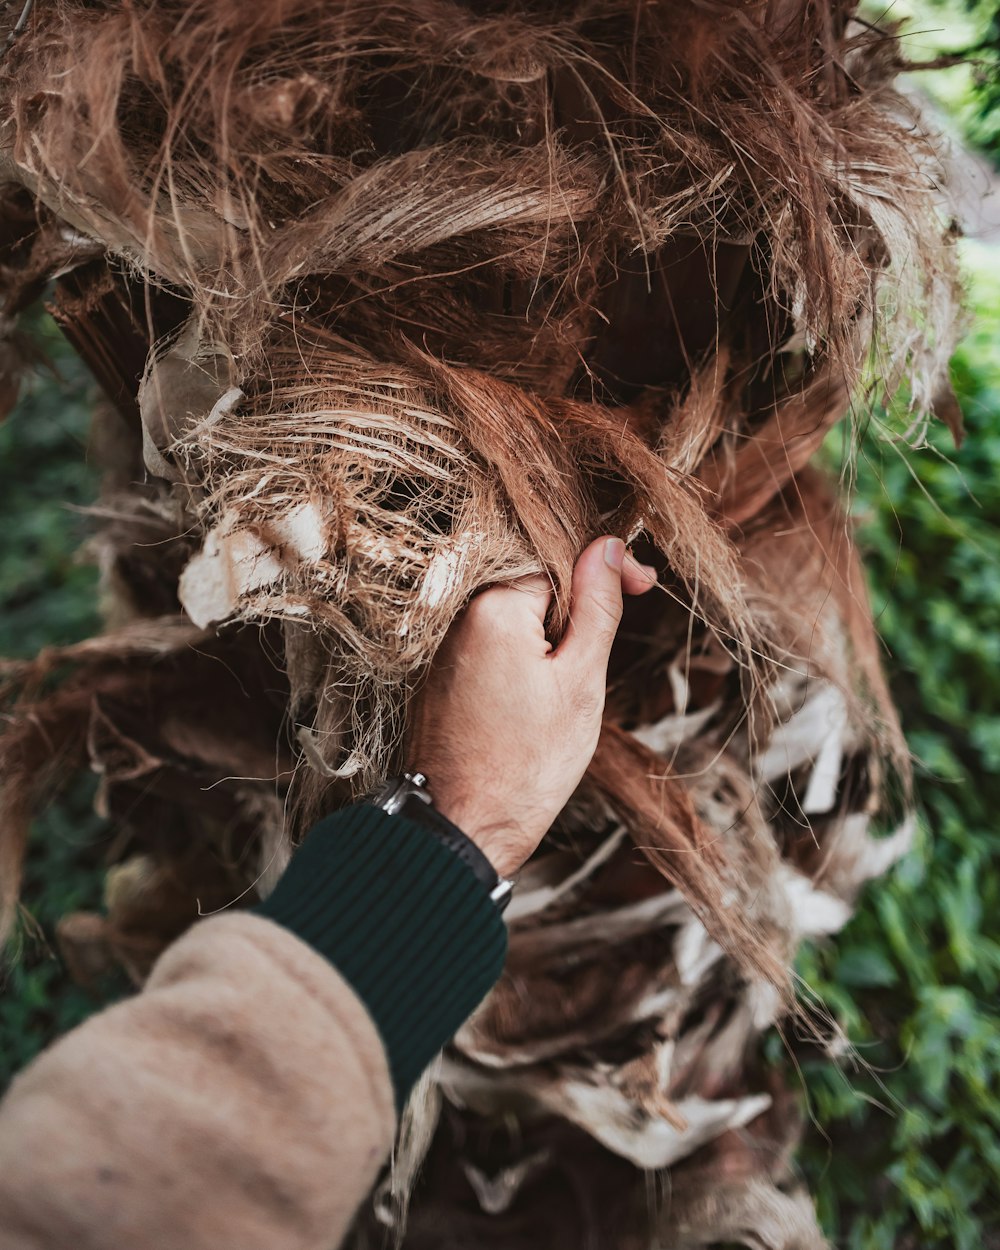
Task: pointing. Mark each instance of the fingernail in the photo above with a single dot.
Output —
(614, 554)
(644, 570)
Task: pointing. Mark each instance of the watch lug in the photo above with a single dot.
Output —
(389, 797)
(393, 794)
(501, 892)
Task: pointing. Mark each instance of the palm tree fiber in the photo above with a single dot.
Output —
(389, 301)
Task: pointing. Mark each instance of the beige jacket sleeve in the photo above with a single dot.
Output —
(242, 1100)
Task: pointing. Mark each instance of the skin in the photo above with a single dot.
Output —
(506, 724)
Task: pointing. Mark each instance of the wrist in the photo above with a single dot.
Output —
(498, 840)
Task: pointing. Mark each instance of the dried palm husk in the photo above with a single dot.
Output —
(389, 302)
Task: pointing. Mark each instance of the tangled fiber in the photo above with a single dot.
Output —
(388, 302)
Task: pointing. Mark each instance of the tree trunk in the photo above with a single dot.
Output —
(386, 303)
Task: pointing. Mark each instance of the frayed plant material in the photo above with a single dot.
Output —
(390, 302)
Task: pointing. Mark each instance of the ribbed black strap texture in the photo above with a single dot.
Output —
(403, 920)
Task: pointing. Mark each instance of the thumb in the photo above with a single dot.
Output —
(596, 604)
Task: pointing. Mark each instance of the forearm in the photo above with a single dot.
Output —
(247, 1095)
(405, 923)
(210, 1110)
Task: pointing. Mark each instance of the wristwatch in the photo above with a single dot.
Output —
(407, 795)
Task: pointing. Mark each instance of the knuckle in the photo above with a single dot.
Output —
(488, 612)
(483, 607)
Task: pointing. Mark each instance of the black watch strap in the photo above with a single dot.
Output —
(407, 796)
(426, 814)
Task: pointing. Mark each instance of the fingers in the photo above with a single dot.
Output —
(637, 578)
(596, 604)
(535, 594)
(516, 610)
(603, 572)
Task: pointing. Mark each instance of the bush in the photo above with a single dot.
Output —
(47, 596)
(906, 1151)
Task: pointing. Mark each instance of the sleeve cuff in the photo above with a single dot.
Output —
(404, 921)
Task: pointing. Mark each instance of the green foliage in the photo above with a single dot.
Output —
(968, 92)
(64, 874)
(47, 596)
(906, 1148)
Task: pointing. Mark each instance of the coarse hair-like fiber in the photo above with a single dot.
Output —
(392, 301)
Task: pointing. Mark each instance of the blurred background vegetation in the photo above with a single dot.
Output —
(904, 1148)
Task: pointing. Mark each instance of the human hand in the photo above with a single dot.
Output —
(505, 727)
